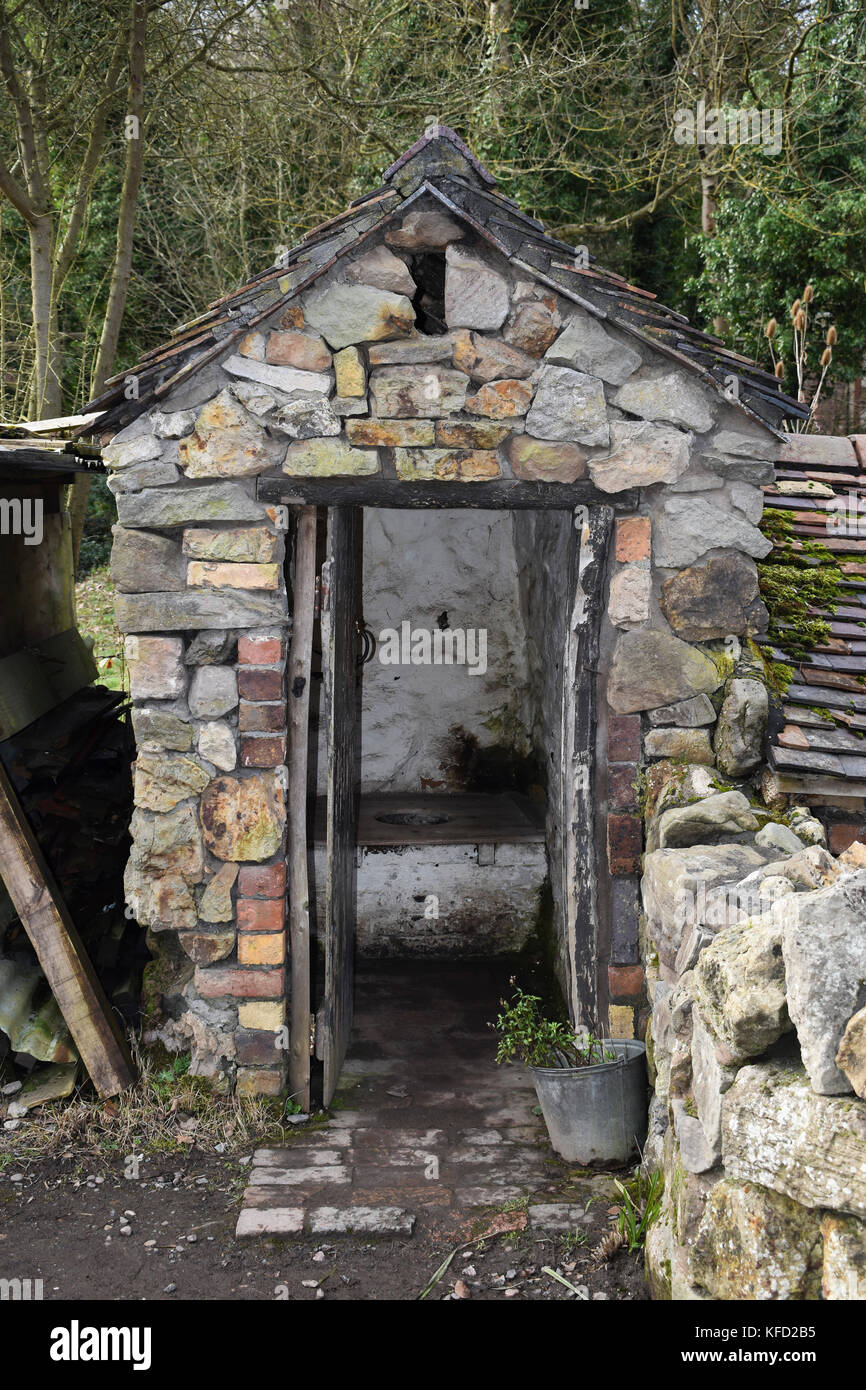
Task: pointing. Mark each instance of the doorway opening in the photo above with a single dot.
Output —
(439, 819)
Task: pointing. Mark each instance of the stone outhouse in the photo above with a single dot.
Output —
(428, 538)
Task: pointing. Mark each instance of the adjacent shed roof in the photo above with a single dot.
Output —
(822, 747)
(439, 166)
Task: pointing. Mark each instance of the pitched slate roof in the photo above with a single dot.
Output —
(822, 746)
(441, 167)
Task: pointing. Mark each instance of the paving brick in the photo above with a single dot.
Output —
(272, 1221)
(625, 981)
(215, 982)
(263, 751)
(262, 948)
(294, 1177)
(262, 880)
(326, 1221)
(260, 914)
(557, 1217)
(254, 718)
(255, 684)
(624, 843)
(259, 651)
(300, 1156)
(623, 738)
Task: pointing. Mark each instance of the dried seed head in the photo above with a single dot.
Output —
(780, 369)
(795, 308)
(800, 321)
(831, 336)
(826, 357)
(808, 294)
(770, 330)
(607, 1247)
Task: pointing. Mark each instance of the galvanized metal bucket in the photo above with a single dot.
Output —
(598, 1113)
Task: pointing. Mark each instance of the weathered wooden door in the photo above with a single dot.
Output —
(340, 608)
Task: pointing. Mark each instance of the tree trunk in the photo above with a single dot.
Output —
(122, 269)
(46, 395)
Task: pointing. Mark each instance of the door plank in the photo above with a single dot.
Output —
(340, 606)
(67, 967)
(579, 858)
(300, 660)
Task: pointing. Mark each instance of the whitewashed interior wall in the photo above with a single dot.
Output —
(418, 565)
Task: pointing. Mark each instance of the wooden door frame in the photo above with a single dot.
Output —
(298, 678)
(579, 860)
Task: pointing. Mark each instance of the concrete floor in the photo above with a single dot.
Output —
(425, 1127)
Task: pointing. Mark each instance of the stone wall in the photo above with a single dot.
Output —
(376, 375)
(755, 948)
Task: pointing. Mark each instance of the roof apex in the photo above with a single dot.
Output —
(439, 151)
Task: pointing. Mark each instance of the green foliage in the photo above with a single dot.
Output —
(96, 537)
(167, 1078)
(641, 1205)
(542, 1042)
(802, 214)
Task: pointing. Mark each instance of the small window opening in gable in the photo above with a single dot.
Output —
(428, 272)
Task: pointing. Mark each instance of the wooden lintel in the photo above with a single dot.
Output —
(68, 970)
(390, 492)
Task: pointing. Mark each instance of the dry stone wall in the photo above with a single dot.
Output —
(754, 939)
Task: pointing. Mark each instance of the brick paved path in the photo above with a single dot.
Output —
(425, 1128)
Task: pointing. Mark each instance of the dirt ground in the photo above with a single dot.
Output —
(66, 1230)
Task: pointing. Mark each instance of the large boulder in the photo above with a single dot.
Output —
(778, 1132)
(824, 948)
(740, 987)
